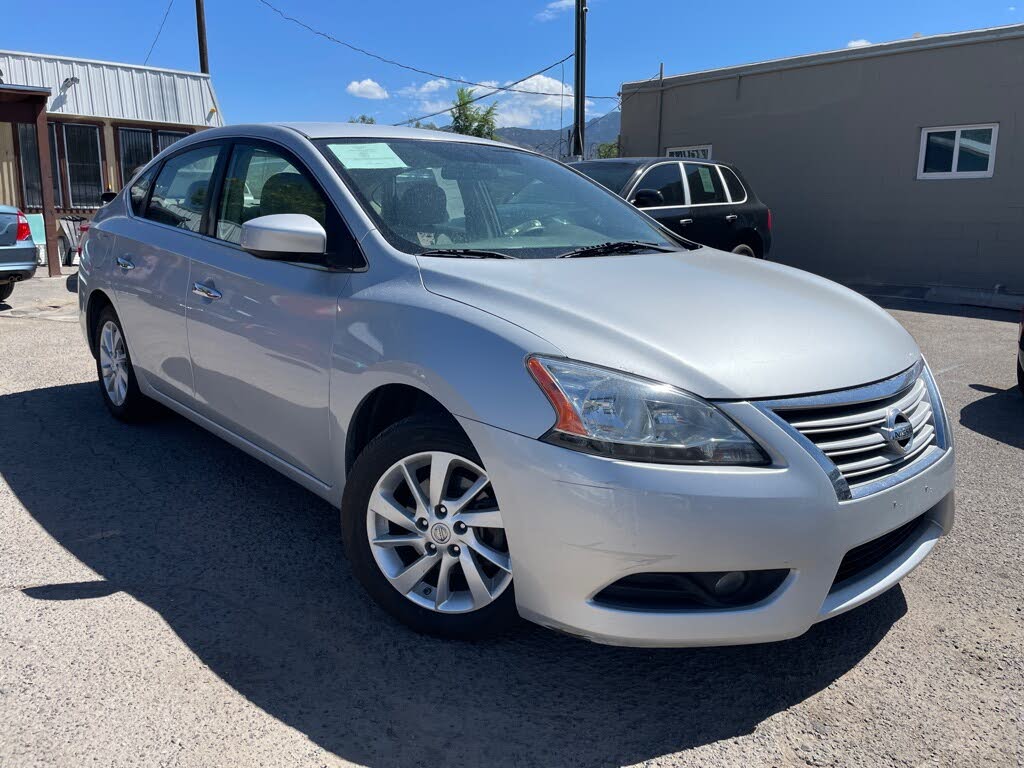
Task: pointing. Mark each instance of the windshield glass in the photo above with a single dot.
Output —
(428, 195)
(607, 173)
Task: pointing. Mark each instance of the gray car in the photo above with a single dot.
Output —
(17, 251)
(526, 397)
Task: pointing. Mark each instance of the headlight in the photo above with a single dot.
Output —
(626, 417)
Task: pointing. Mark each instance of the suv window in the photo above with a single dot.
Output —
(705, 184)
(732, 181)
(665, 178)
(180, 192)
(140, 191)
(260, 182)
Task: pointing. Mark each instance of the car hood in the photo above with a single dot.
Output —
(713, 323)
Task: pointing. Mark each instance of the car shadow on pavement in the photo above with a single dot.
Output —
(246, 567)
(999, 416)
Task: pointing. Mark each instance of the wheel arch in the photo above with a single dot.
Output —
(98, 301)
(752, 238)
(385, 405)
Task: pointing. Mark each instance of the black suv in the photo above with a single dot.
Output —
(708, 203)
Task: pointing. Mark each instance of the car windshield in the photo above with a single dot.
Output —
(608, 173)
(427, 195)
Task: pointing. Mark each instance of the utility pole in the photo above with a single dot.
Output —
(204, 62)
(661, 102)
(580, 83)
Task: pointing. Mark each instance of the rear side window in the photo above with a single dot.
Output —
(182, 187)
(705, 184)
(140, 191)
(260, 182)
(732, 181)
(665, 179)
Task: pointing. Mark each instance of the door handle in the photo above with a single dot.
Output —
(206, 291)
(684, 222)
(731, 217)
(125, 264)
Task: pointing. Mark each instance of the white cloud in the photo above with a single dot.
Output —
(1012, 8)
(431, 86)
(366, 89)
(554, 9)
(525, 110)
(860, 42)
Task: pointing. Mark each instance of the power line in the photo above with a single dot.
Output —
(409, 67)
(161, 29)
(487, 95)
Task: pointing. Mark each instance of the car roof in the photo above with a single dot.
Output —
(640, 161)
(346, 131)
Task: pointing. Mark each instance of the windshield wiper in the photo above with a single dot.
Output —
(466, 253)
(624, 246)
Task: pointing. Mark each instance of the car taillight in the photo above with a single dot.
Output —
(769, 219)
(24, 231)
(83, 229)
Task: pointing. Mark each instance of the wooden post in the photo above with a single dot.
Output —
(46, 181)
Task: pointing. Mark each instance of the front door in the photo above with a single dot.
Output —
(670, 208)
(150, 268)
(260, 332)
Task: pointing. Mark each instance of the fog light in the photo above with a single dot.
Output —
(730, 583)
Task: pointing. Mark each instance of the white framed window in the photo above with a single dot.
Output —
(694, 152)
(958, 151)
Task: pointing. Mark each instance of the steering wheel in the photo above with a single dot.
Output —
(525, 227)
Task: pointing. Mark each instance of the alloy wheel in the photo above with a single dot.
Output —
(436, 533)
(114, 363)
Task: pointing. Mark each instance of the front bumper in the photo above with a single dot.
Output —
(577, 523)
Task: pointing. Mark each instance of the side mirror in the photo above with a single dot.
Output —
(648, 198)
(285, 237)
(106, 197)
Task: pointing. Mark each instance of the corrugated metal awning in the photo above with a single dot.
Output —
(113, 90)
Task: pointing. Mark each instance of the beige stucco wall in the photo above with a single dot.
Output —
(9, 192)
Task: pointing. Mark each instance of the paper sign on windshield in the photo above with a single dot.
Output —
(358, 156)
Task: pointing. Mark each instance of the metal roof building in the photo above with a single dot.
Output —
(72, 129)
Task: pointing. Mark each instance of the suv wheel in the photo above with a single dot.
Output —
(1020, 376)
(6, 290)
(424, 533)
(117, 382)
(744, 250)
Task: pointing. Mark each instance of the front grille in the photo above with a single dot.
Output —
(851, 429)
(865, 557)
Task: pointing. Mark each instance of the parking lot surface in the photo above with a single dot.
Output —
(167, 601)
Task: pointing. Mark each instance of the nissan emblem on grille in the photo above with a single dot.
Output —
(898, 431)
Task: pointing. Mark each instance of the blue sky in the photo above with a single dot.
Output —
(266, 68)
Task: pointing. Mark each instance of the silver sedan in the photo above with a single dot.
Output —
(526, 397)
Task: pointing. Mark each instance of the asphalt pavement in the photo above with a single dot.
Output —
(167, 601)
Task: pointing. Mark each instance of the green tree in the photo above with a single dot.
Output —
(365, 119)
(426, 126)
(470, 120)
(608, 149)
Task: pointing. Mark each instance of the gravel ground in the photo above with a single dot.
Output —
(167, 601)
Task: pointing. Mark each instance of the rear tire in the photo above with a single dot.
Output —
(438, 584)
(1020, 377)
(6, 290)
(118, 385)
(64, 252)
(745, 250)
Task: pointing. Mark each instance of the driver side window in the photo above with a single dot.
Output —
(667, 180)
(260, 182)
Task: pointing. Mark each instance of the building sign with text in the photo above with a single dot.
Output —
(695, 152)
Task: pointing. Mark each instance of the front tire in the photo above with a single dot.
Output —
(424, 534)
(118, 385)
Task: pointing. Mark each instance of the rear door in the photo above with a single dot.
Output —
(260, 331)
(665, 179)
(150, 268)
(712, 218)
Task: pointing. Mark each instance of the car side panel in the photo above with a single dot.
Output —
(150, 300)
